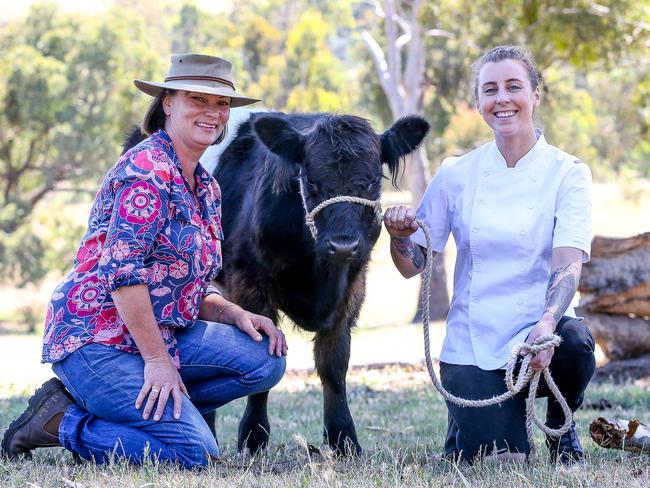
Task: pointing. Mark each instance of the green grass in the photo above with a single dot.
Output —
(401, 423)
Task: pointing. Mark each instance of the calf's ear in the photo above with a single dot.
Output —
(280, 138)
(403, 137)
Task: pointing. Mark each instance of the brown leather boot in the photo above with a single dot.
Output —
(28, 431)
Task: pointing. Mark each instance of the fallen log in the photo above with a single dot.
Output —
(624, 370)
(602, 247)
(617, 279)
(619, 336)
(629, 435)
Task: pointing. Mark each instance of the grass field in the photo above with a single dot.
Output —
(400, 418)
(401, 422)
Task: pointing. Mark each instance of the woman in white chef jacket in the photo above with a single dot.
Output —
(520, 213)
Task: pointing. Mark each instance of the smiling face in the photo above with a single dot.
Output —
(506, 98)
(195, 119)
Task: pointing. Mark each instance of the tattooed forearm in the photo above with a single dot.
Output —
(562, 285)
(408, 249)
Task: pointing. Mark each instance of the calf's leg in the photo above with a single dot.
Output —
(211, 419)
(332, 354)
(254, 427)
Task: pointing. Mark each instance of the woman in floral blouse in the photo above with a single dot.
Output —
(136, 322)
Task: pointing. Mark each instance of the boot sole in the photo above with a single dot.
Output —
(33, 405)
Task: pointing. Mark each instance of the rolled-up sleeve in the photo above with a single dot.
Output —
(211, 290)
(140, 208)
(434, 211)
(573, 210)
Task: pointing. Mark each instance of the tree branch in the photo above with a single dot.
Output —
(414, 69)
(394, 67)
(439, 33)
(381, 66)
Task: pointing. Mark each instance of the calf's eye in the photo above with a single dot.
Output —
(372, 185)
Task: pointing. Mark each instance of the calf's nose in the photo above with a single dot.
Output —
(342, 250)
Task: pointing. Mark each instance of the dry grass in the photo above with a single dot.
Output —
(400, 421)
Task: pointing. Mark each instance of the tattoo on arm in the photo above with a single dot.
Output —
(562, 285)
(408, 249)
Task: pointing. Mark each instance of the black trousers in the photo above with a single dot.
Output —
(502, 427)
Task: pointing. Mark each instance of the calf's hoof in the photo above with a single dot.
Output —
(254, 437)
(343, 444)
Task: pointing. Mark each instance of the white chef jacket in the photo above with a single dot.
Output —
(505, 222)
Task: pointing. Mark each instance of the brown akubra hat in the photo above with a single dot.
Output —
(198, 73)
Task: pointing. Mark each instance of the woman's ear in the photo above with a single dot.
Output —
(537, 97)
(166, 104)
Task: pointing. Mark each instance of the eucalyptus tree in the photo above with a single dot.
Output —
(65, 100)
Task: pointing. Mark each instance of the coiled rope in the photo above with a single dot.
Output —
(514, 383)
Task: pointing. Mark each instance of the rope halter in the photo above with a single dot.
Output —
(310, 215)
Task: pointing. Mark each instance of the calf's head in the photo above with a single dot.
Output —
(339, 155)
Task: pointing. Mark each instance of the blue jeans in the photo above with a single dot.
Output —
(218, 364)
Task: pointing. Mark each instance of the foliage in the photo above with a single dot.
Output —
(65, 100)
(576, 38)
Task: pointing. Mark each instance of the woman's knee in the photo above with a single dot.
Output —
(270, 372)
(198, 446)
(577, 341)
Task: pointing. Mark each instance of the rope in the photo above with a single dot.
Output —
(514, 384)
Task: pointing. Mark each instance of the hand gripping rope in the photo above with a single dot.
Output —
(514, 384)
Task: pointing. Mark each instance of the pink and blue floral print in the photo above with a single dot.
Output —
(145, 227)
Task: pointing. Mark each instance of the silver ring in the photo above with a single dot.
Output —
(153, 390)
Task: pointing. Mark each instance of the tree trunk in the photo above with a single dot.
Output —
(620, 336)
(401, 75)
(439, 298)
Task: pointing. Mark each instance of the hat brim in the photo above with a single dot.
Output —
(154, 89)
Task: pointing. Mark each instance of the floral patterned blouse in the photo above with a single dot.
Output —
(145, 227)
